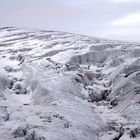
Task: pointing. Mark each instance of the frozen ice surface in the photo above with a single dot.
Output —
(63, 86)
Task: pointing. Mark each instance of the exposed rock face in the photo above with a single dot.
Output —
(56, 86)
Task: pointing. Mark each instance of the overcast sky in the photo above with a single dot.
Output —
(114, 19)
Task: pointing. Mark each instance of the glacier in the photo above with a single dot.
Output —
(63, 86)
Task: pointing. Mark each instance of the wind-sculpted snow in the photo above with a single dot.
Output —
(57, 85)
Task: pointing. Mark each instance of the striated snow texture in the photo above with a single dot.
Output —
(64, 86)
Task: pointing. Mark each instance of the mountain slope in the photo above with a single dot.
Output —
(57, 85)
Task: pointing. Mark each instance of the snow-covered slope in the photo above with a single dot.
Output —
(56, 85)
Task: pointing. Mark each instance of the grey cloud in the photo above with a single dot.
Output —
(80, 16)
